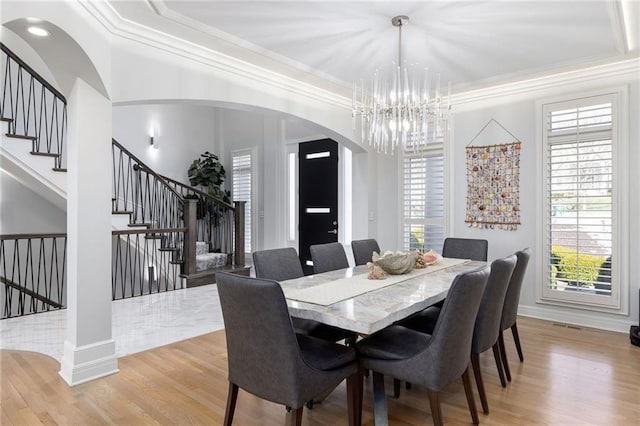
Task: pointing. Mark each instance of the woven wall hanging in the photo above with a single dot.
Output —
(493, 184)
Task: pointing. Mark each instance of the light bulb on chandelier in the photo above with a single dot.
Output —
(407, 99)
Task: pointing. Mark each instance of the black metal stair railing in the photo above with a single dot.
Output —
(35, 110)
(215, 218)
(143, 194)
(33, 277)
(32, 273)
(146, 261)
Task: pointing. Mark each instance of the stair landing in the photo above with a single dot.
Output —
(209, 276)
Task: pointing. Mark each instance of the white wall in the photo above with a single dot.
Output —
(181, 133)
(24, 211)
(518, 115)
(385, 201)
(150, 72)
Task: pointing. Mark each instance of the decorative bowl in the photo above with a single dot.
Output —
(395, 263)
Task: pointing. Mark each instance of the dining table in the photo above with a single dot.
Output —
(347, 299)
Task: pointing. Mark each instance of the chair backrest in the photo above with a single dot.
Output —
(328, 257)
(363, 249)
(277, 264)
(512, 299)
(487, 327)
(465, 248)
(263, 353)
(450, 344)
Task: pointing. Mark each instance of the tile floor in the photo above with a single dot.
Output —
(139, 323)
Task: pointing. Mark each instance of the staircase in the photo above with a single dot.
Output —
(156, 221)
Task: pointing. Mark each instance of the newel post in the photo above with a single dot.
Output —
(190, 236)
(238, 235)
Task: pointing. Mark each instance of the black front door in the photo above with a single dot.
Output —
(318, 196)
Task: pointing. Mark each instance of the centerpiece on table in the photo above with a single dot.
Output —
(399, 263)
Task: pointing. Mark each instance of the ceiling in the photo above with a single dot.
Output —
(473, 44)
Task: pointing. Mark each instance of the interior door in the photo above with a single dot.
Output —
(318, 197)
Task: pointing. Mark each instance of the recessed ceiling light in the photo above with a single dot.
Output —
(37, 31)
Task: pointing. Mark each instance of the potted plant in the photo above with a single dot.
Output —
(208, 173)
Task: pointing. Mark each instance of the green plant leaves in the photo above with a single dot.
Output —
(207, 171)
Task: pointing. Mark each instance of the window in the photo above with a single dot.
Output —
(581, 201)
(242, 175)
(423, 198)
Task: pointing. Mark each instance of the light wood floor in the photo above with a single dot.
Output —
(569, 377)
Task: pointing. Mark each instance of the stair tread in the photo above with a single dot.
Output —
(121, 212)
(45, 154)
(169, 249)
(7, 119)
(13, 135)
(58, 169)
(146, 225)
(225, 268)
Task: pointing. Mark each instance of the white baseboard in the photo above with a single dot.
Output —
(584, 319)
(89, 362)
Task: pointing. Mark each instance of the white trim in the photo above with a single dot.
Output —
(574, 317)
(303, 139)
(618, 26)
(81, 364)
(161, 9)
(346, 165)
(119, 26)
(292, 219)
(619, 302)
(534, 84)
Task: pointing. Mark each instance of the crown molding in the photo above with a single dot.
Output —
(552, 81)
(119, 26)
(616, 16)
(162, 10)
(122, 27)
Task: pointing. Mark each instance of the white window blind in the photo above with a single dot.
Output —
(580, 201)
(423, 198)
(242, 190)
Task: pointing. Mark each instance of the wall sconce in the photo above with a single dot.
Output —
(152, 142)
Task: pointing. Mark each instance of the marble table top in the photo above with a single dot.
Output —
(375, 310)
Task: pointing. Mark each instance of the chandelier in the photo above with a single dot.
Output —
(403, 111)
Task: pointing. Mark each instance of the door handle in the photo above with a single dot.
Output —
(333, 231)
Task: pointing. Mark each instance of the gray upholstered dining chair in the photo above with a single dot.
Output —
(328, 257)
(269, 360)
(487, 324)
(363, 250)
(431, 360)
(277, 264)
(283, 264)
(487, 327)
(465, 248)
(510, 308)
(459, 248)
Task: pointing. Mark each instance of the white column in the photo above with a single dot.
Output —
(89, 350)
